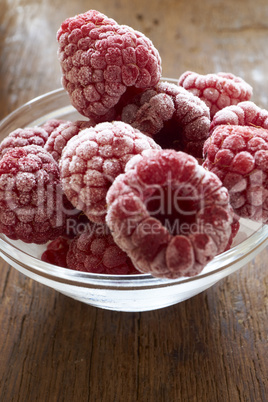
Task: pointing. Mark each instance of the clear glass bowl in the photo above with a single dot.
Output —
(114, 292)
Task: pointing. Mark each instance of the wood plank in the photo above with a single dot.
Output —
(210, 348)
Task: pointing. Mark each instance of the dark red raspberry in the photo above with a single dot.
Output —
(92, 159)
(174, 117)
(238, 155)
(95, 251)
(243, 114)
(169, 214)
(22, 137)
(56, 252)
(235, 229)
(101, 60)
(62, 134)
(50, 125)
(216, 90)
(31, 198)
(76, 223)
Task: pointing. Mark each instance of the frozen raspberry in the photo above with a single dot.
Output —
(238, 155)
(95, 251)
(243, 114)
(31, 198)
(169, 214)
(50, 125)
(62, 134)
(56, 252)
(92, 159)
(22, 137)
(102, 60)
(235, 229)
(174, 117)
(216, 90)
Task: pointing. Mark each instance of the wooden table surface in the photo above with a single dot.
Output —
(210, 348)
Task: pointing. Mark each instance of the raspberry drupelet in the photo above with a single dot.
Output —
(243, 114)
(22, 137)
(102, 60)
(95, 251)
(175, 118)
(31, 197)
(169, 214)
(91, 161)
(238, 155)
(216, 90)
(56, 252)
(50, 125)
(62, 134)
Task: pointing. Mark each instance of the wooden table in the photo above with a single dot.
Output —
(210, 348)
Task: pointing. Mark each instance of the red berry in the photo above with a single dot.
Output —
(95, 251)
(31, 197)
(22, 137)
(216, 90)
(239, 156)
(243, 114)
(50, 125)
(101, 59)
(62, 134)
(92, 159)
(56, 252)
(169, 214)
(174, 117)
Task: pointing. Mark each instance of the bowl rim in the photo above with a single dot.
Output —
(224, 260)
(86, 279)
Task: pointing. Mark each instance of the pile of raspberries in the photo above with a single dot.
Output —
(154, 176)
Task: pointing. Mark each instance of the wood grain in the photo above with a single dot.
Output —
(210, 348)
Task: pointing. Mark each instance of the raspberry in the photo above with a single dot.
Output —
(101, 60)
(95, 251)
(235, 229)
(238, 155)
(31, 199)
(169, 214)
(56, 252)
(216, 90)
(22, 137)
(62, 134)
(92, 159)
(50, 125)
(243, 114)
(174, 117)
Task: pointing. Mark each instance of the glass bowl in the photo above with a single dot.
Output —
(131, 293)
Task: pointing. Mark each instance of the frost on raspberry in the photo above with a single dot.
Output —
(216, 90)
(169, 214)
(238, 155)
(31, 197)
(102, 60)
(174, 117)
(243, 114)
(62, 134)
(95, 251)
(91, 161)
(22, 137)
(50, 125)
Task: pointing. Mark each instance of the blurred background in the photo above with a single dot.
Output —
(207, 36)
